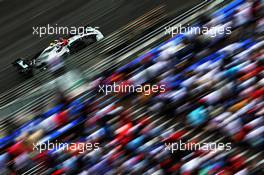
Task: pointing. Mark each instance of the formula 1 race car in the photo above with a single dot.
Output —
(64, 47)
(61, 48)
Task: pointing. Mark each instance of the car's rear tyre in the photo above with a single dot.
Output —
(77, 46)
(90, 40)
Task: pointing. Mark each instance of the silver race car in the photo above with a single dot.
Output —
(65, 47)
(61, 48)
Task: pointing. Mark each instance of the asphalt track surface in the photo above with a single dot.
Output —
(18, 17)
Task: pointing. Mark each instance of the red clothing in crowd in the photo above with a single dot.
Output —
(17, 149)
(61, 118)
